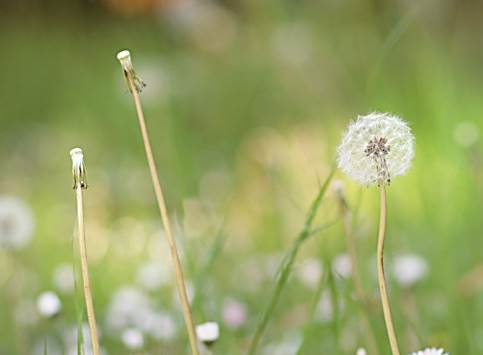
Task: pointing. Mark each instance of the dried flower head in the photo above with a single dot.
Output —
(78, 168)
(376, 148)
(124, 58)
(430, 351)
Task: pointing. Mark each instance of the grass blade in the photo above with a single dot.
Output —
(286, 266)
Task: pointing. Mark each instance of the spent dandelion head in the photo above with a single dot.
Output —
(375, 148)
(430, 351)
(78, 168)
(124, 58)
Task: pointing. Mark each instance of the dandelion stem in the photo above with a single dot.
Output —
(286, 267)
(164, 214)
(91, 318)
(356, 275)
(380, 272)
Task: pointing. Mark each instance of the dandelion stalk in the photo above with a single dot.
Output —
(356, 275)
(80, 184)
(286, 267)
(135, 85)
(376, 148)
(380, 272)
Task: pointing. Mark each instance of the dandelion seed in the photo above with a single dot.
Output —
(430, 351)
(376, 148)
(48, 304)
(208, 333)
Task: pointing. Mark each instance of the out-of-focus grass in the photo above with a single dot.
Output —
(244, 121)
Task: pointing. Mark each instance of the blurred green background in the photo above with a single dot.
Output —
(246, 102)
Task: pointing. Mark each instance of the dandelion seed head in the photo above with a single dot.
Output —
(430, 351)
(376, 148)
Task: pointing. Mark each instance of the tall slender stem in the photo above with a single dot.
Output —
(164, 215)
(91, 318)
(357, 279)
(380, 272)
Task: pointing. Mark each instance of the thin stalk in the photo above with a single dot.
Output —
(380, 272)
(180, 281)
(356, 275)
(286, 267)
(91, 318)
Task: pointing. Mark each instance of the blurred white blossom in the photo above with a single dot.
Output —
(430, 351)
(342, 265)
(127, 308)
(63, 278)
(152, 275)
(376, 147)
(16, 223)
(361, 351)
(48, 304)
(132, 338)
(408, 269)
(208, 332)
(309, 272)
(234, 313)
(289, 345)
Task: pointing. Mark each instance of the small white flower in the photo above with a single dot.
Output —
(78, 168)
(208, 332)
(361, 351)
(376, 148)
(16, 223)
(132, 338)
(430, 351)
(409, 269)
(48, 304)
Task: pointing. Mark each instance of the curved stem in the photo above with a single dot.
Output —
(91, 318)
(380, 272)
(180, 282)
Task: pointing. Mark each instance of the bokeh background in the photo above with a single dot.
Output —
(246, 102)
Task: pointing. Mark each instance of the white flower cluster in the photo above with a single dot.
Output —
(430, 351)
(376, 148)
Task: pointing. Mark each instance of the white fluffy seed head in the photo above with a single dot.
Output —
(430, 351)
(376, 148)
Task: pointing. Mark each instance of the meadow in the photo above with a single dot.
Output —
(246, 103)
